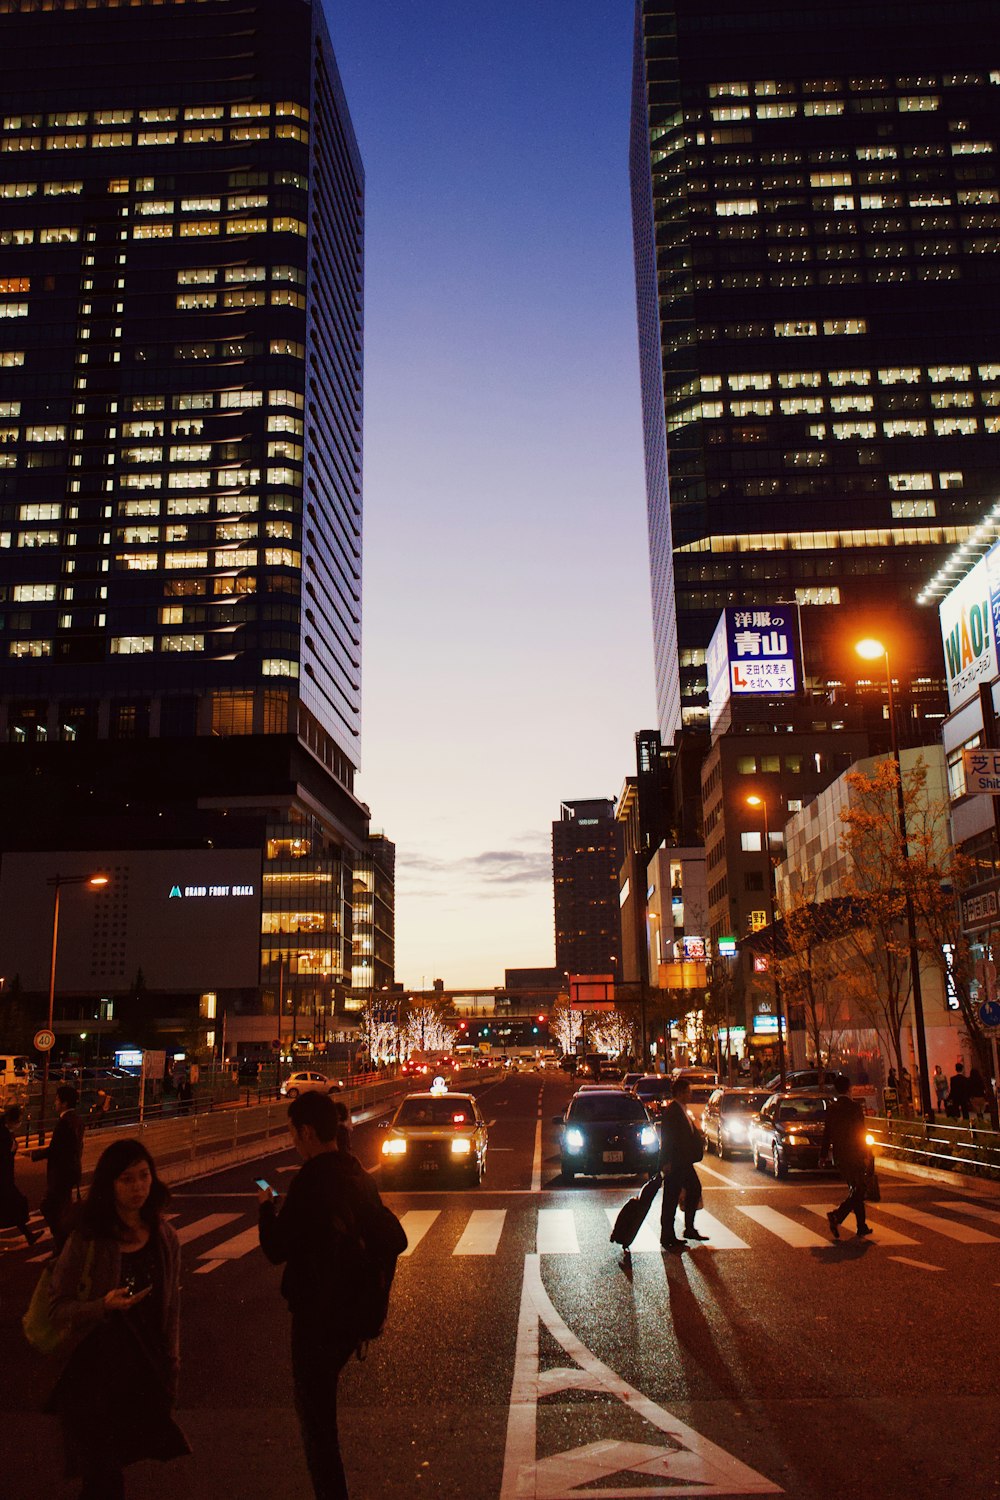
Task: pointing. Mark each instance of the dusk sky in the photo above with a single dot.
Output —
(507, 650)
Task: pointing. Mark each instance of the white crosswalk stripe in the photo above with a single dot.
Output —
(951, 1228)
(481, 1235)
(557, 1232)
(789, 1230)
(234, 1249)
(648, 1238)
(883, 1235)
(977, 1210)
(416, 1224)
(198, 1227)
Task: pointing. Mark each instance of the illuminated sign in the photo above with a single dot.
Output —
(982, 771)
(726, 947)
(766, 1026)
(694, 947)
(753, 652)
(210, 890)
(969, 616)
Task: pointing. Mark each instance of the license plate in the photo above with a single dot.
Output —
(614, 1156)
(428, 1166)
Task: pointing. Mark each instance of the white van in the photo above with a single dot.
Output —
(15, 1076)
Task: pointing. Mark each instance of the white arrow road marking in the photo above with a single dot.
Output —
(687, 1465)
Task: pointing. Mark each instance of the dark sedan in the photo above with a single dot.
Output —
(654, 1090)
(607, 1131)
(788, 1132)
(726, 1121)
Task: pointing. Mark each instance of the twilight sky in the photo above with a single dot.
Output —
(507, 647)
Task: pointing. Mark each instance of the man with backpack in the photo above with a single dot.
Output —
(338, 1243)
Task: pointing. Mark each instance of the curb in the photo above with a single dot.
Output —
(987, 1185)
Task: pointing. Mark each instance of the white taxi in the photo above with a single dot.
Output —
(434, 1136)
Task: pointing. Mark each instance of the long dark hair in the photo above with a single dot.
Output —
(99, 1212)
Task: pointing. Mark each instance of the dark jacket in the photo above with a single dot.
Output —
(681, 1143)
(103, 1275)
(959, 1091)
(64, 1154)
(844, 1131)
(314, 1232)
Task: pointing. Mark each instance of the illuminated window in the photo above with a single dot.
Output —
(246, 273)
(909, 510)
(58, 189)
(917, 103)
(905, 428)
(751, 408)
(278, 667)
(155, 207)
(31, 648)
(188, 505)
(955, 426)
(758, 382)
(46, 433)
(40, 511)
(971, 148)
(854, 430)
(793, 406)
(900, 375)
(944, 400)
(285, 424)
(776, 111)
(38, 539)
(288, 346)
(131, 645)
(13, 309)
(824, 594)
(190, 301)
(34, 593)
(139, 536)
(730, 207)
(851, 403)
(244, 297)
(18, 189)
(19, 236)
(142, 455)
(201, 205)
(203, 133)
(288, 398)
(153, 232)
(185, 560)
(801, 329)
(911, 482)
(182, 643)
(140, 508)
(65, 236)
(205, 112)
(951, 480)
(284, 225)
(189, 479)
(190, 453)
(156, 138)
(791, 380)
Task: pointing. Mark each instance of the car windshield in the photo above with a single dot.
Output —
(701, 1094)
(746, 1104)
(653, 1088)
(801, 1109)
(443, 1110)
(605, 1107)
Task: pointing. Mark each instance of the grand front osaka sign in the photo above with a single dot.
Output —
(970, 617)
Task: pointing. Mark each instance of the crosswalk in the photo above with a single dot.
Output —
(212, 1241)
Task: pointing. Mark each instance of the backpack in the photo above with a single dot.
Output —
(379, 1241)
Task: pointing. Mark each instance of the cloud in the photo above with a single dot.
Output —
(491, 869)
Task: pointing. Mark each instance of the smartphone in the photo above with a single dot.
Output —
(264, 1185)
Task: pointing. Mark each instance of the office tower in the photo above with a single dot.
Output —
(374, 917)
(181, 253)
(586, 857)
(815, 199)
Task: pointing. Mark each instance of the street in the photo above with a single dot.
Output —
(523, 1358)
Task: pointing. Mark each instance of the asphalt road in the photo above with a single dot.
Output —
(524, 1359)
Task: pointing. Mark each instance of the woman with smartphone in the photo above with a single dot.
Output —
(116, 1288)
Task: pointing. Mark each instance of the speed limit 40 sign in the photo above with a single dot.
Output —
(44, 1041)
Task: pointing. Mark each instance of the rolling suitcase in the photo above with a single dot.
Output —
(629, 1221)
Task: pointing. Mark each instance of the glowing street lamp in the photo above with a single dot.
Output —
(95, 882)
(871, 649)
(753, 800)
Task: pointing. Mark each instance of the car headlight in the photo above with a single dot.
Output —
(574, 1140)
(794, 1140)
(395, 1146)
(869, 1140)
(647, 1136)
(735, 1129)
(460, 1145)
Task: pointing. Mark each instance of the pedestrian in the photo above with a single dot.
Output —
(905, 1089)
(892, 1082)
(63, 1158)
(185, 1096)
(116, 1390)
(844, 1139)
(681, 1145)
(310, 1236)
(940, 1083)
(13, 1203)
(756, 1072)
(100, 1109)
(958, 1093)
(977, 1093)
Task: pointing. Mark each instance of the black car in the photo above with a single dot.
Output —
(809, 1078)
(607, 1131)
(788, 1132)
(726, 1120)
(654, 1090)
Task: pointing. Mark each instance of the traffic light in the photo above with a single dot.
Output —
(463, 1026)
(541, 1018)
(534, 1030)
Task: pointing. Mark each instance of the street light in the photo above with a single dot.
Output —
(96, 882)
(870, 650)
(756, 801)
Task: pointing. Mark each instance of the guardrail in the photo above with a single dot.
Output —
(951, 1148)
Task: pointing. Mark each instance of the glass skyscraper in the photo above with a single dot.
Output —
(181, 320)
(816, 199)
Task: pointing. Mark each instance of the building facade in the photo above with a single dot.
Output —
(586, 859)
(816, 194)
(181, 306)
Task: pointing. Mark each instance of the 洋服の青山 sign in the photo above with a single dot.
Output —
(969, 628)
(753, 651)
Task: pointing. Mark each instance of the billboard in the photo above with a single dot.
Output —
(753, 652)
(970, 624)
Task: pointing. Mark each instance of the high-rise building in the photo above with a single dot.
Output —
(587, 848)
(816, 197)
(181, 318)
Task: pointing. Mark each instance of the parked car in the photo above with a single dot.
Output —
(630, 1080)
(306, 1082)
(606, 1131)
(726, 1120)
(788, 1132)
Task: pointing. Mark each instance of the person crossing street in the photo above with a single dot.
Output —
(844, 1139)
(681, 1145)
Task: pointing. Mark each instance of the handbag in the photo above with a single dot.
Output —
(41, 1331)
(873, 1191)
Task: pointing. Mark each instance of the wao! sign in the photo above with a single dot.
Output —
(969, 619)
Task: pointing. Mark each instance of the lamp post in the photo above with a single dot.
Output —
(96, 882)
(870, 650)
(757, 801)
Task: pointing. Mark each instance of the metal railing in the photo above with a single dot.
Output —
(971, 1149)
